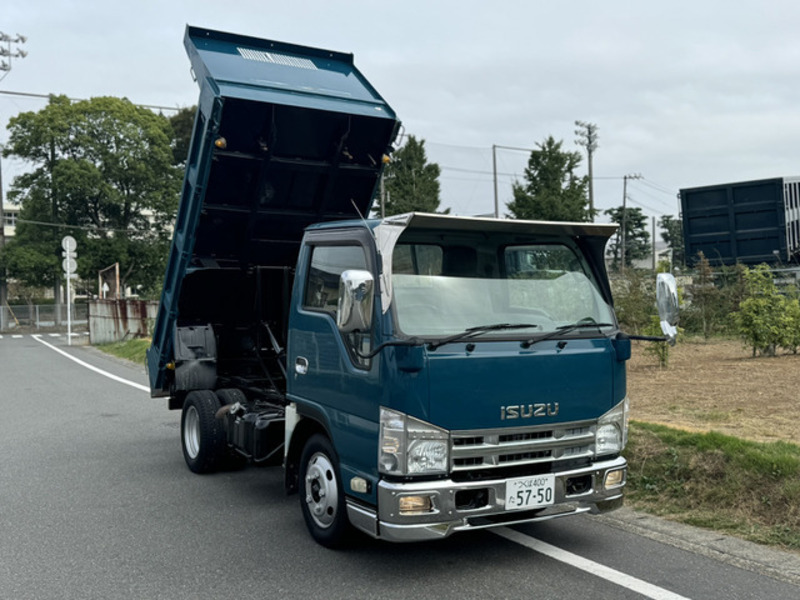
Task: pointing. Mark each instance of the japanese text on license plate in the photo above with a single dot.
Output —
(530, 492)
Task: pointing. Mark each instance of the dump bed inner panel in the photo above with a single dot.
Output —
(282, 169)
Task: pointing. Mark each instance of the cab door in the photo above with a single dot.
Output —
(328, 376)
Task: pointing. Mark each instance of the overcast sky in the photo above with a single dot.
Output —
(683, 93)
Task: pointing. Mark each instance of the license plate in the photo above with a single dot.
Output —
(530, 492)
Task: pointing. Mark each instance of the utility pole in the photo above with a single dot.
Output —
(654, 244)
(587, 137)
(383, 198)
(5, 67)
(494, 172)
(3, 274)
(625, 214)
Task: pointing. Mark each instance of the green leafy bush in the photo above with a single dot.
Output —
(764, 319)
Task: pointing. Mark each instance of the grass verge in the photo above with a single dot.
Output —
(133, 349)
(715, 481)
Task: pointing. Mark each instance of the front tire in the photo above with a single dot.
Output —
(202, 435)
(322, 494)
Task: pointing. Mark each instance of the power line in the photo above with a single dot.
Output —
(657, 199)
(456, 178)
(81, 227)
(476, 171)
(47, 97)
(658, 187)
(461, 146)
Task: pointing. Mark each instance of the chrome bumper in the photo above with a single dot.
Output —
(446, 517)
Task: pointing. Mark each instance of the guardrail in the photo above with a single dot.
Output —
(39, 317)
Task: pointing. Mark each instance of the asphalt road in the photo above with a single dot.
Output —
(96, 502)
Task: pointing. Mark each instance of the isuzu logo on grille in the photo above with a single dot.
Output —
(528, 411)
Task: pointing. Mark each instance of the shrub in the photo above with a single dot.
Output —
(658, 349)
(762, 318)
(634, 299)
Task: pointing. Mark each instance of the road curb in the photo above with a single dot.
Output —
(778, 564)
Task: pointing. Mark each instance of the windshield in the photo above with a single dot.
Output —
(441, 290)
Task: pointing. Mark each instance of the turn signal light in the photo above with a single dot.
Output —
(614, 478)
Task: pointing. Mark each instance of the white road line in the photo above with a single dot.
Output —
(133, 384)
(54, 334)
(616, 577)
(16, 337)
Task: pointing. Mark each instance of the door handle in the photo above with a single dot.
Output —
(301, 365)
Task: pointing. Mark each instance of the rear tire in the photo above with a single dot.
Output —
(202, 435)
(322, 494)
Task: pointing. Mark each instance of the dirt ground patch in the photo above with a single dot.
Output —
(717, 386)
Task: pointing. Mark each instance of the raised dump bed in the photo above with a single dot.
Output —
(285, 136)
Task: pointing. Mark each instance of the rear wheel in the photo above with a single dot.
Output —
(321, 493)
(202, 436)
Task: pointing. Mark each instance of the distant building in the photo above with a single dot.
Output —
(10, 216)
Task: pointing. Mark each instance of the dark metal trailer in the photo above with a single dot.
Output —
(750, 222)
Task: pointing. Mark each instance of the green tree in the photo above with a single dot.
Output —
(103, 171)
(634, 300)
(551, 191)
(706, 296)
(411, 182)
(762, 318)
(791, 335)
(672, 234)
(182, 124)
(637, 240)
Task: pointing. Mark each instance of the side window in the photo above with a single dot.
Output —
(327, 264)
(417, 259)
(322, 291)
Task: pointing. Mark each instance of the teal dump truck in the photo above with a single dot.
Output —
(415, 376)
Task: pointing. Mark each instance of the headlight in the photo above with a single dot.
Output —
(408, 446)
(612, 430)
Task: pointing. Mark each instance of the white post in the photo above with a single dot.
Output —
(69, 264)
(69, 314)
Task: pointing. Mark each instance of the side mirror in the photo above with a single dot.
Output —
(667, 302)
(354, 311)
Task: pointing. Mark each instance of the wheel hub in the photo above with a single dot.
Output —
(191, 432)
(322, 494)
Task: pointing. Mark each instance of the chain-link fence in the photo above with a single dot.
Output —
(43, 317)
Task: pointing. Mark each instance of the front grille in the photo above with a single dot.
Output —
(496, 448)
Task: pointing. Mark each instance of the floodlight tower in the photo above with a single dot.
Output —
(587, 137)
(6, 52)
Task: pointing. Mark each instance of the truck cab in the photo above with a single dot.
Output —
(476, 379)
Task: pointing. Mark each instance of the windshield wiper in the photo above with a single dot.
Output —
(474, 331)
(584, 323)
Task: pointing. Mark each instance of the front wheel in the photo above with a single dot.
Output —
(321, 493)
